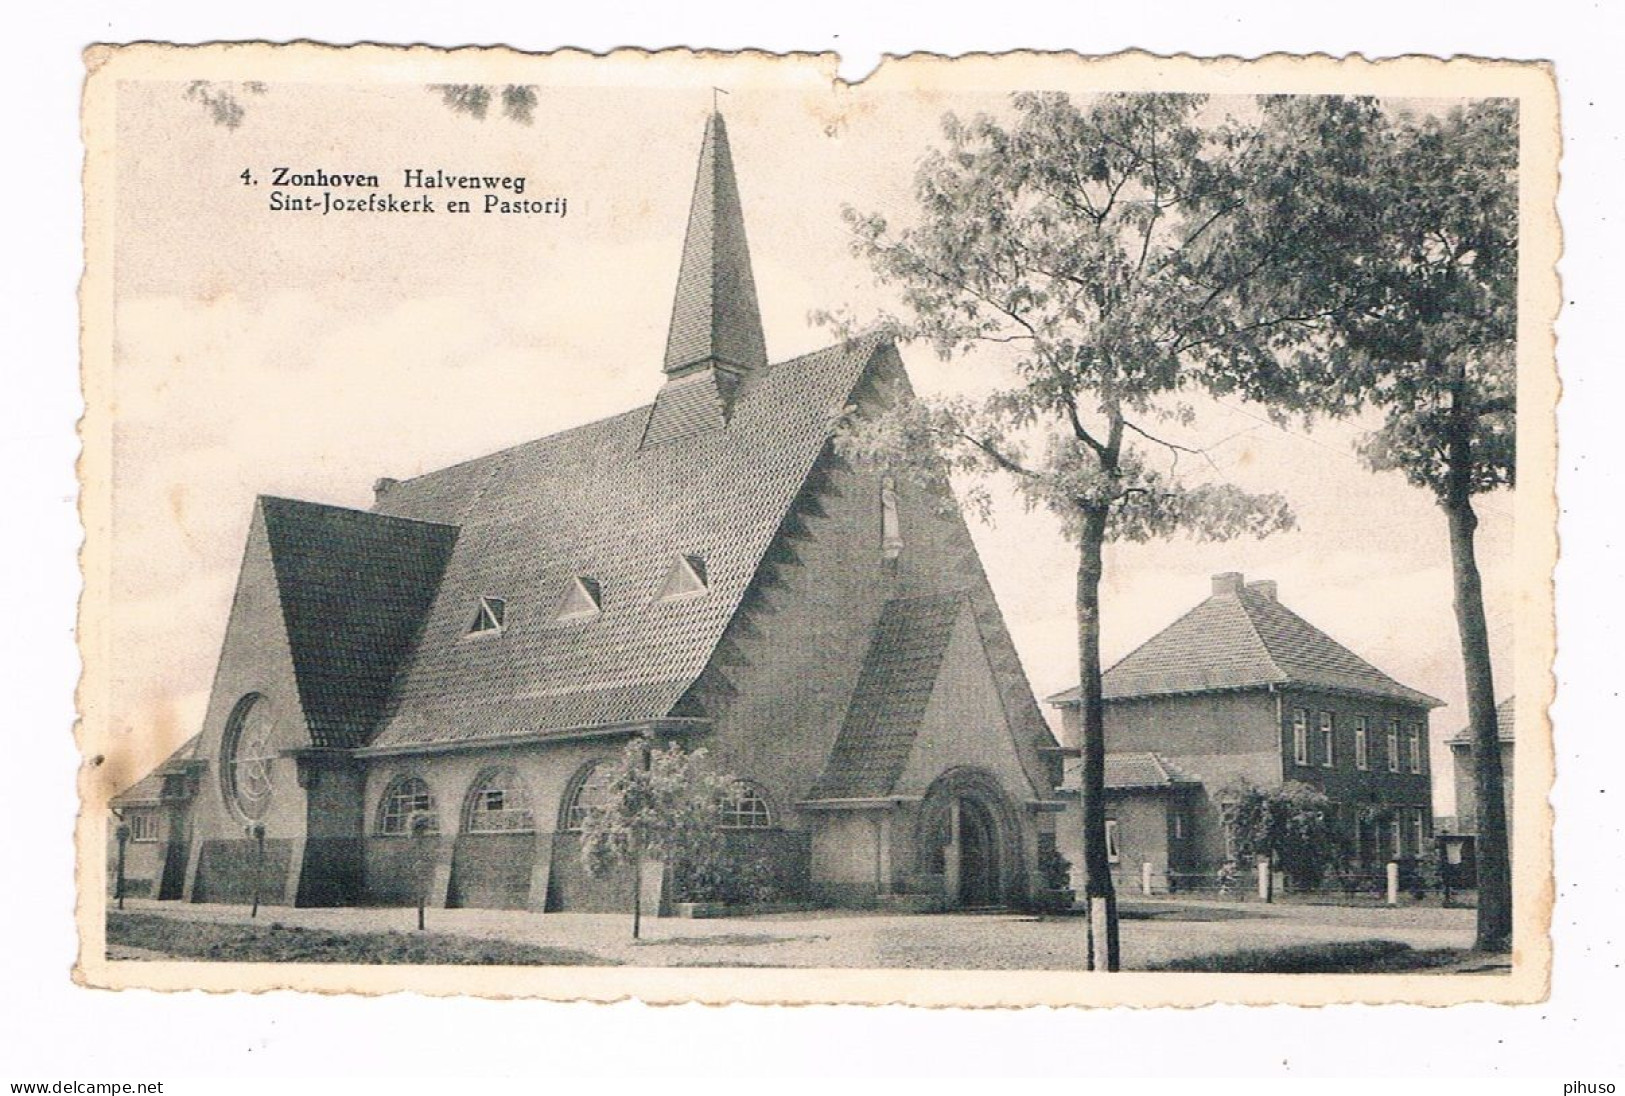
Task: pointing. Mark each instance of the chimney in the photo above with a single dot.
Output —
(1265, 586)
(380, 488)
(1227, 584)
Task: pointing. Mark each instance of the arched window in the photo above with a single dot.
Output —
(405, 796)
(498, 804)
(746, 809)
(590, 787)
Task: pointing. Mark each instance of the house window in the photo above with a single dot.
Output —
(1416, 747)
(405, 797)
(1396, 835)
(1326, 740)
(498, 804)
(488, 617)
(685, 579)
(143, 825)
(1179, 826)
(1419, 829)
(746, 809)
(1393, 745)
(891, 529)
(1112, 850)
(592, 784)
(1362, 744)
(1300, 736)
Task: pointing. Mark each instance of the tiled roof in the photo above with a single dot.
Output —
(1506, 724)
(894, 687)
(150, 788)
(354, 588)
(1125, 771)
(714, 315)
(597, 502)
(1244, 639)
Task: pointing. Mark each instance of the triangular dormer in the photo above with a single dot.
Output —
(715, 340)
(583, 598)
(685, 579)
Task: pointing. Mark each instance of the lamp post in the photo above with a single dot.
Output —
(123, 835)
(421, 826)
(256, 833)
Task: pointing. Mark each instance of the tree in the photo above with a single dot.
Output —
(1084, 245)
(1293, 826)
(1431, 346)
(662, 802)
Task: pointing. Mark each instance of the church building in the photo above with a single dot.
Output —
(707, 569)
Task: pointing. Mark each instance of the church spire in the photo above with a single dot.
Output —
(715, 321)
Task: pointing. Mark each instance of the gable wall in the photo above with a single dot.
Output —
(254, 658)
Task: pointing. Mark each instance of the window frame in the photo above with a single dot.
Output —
(1419, 829)
(1396, 834)
(383, 824)
(1393, 745)
(1415, 744)
(1362, 743)
(511, 788)
(1300, 736)
(733, 806)
(1328, 740)
(574, 811)
(144, 826)
(1114, 848)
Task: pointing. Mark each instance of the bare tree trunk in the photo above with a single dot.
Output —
(637, 892)
(1099, 895)
(1494, 865)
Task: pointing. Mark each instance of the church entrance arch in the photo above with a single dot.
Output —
(969, 836)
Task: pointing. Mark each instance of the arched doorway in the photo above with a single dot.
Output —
(968, 839)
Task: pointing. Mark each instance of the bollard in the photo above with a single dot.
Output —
(1145, 877)
(1393, 882)
(1266, 880)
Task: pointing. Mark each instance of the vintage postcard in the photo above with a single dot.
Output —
(1017, 530)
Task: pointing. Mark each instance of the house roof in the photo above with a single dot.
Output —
(149, 790)
(1126, 771)
(1506, 724)
(598, 502)
(888, 707)
(354, 588)
(1242, 637)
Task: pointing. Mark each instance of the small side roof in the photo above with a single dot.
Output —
(149, 790)
(1506, 724)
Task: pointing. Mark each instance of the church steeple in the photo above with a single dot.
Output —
(715, 321)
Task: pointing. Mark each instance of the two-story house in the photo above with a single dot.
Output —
(1241, 688)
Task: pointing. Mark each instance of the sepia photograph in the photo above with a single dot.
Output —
(1019, 530)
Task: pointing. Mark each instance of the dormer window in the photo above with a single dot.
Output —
(583, 599)
(489, 617)
(685, 579)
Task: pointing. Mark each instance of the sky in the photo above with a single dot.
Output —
(261, 352)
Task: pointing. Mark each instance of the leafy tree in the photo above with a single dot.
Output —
(1433, 265)
(1083, 247)
(222, 101)
(518, 101)
(662, 802)
(1293, 825)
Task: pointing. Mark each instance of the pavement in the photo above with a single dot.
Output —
(1152, 931)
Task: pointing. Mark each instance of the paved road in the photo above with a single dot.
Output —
(1153, 932)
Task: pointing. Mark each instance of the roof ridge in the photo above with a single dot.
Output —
(1246, 612)
(379, 515)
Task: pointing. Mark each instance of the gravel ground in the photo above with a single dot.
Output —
(1152, 932)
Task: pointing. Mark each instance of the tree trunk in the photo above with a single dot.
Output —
(1099, 895)
(1494, 864)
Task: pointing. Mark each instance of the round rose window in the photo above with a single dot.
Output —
(246, 757)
